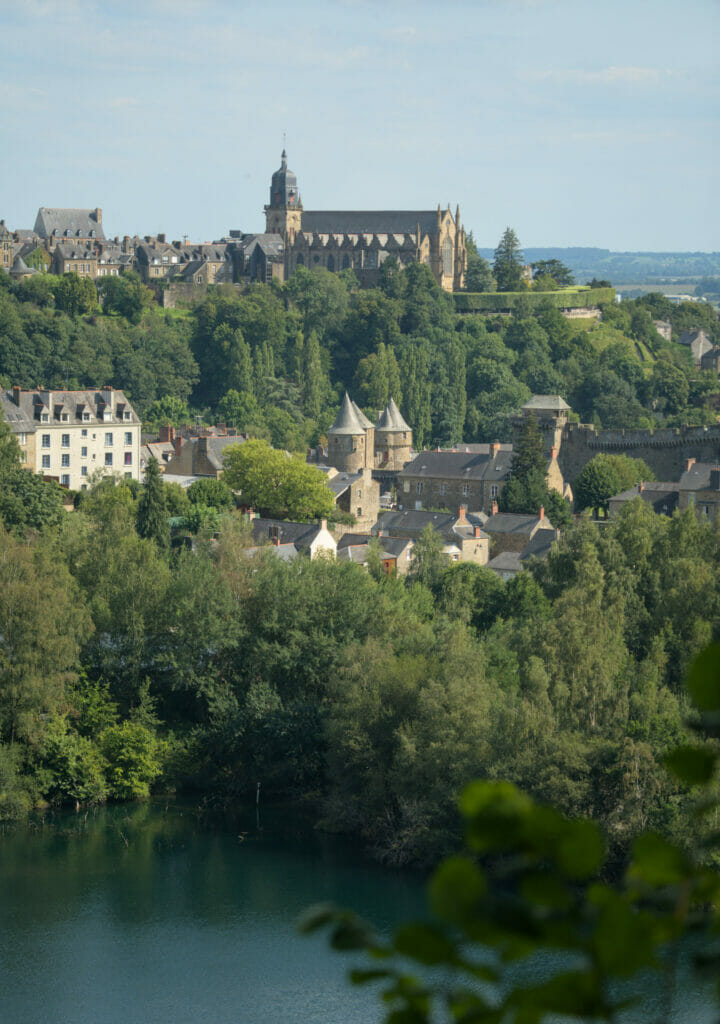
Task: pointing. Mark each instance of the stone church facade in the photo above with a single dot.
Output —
(361, 240)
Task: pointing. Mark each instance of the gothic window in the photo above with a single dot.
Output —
(331, 262)
(300, 260)
(447, 257)
(345, 262)
(371, 260)
(316, 258)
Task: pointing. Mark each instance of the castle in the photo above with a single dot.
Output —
(358, 240)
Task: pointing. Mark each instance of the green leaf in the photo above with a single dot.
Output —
(624, 939)
(456, 889)
(703, 680)
(656, 861)
(351, 934)
(361, 977)
(580, 850)
(426, 944)
(316, 917)
(546, 891)
(692, 765)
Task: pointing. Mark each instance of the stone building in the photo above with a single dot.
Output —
(6, 249)
(448, 479)
(463, 534)
(76, 227)
(361, 240)
(69, 435)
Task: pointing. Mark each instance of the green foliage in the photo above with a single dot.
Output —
(168, 410)
(75, 295)
(28, 502)
(152, 517)
(278, 485)
(501, 302)
(17, 794)
(529, 881)
(605, 476)
(132, 755)
(555, 270)
(125, 296)
(209, 492)
(508, 262)
(71, 766)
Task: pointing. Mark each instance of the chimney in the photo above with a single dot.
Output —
(161, 238)
(476, 531)
(541, 513)
(98, 215)
(461, 516)
(689, 463)
(16, 392)
(167, 433)
(177, 443)
(494, 449)
(494, 508)
(640, 487)
(323, 524)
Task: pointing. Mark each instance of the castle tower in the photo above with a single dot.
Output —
(393, 439)
(283, 214)
(369, 435)
(347, 441)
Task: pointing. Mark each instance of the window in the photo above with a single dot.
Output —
(83, 432)
(359, 512)
(65, 461)
(107, 416)
(127, 416)
(359, 494)
(65, 441)
(108, 458)
(86, 419)
(83, 471)
(22, 438)
(418, 488)
(128, 437)
(83, 452)
(465, 490)
(406, 486)
(46, 440)
(65, 479)
(45, 417)
(108, 440)
(443, 488)
(128, 458)
(46, 462)
(64, 417)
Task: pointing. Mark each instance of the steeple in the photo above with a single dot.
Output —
(283, 212)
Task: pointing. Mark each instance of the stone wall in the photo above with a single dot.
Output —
(665, 451)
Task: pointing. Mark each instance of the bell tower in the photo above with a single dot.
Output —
(284, 211)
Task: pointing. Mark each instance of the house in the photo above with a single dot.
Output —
(507, 564)
(447, 479)
(395, 552)
(311, 539)
(663, 496)
(512, 531)
(463, 534)
(199, 455)
(710, 360)
(75, 259)
(356, 494)
(6, 249)
(69, 435)
(698, 341)
(73, 227)
(699, 488)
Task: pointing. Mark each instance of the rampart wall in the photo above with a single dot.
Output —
(665, 451)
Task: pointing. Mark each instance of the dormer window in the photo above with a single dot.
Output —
(86, 417)
(45, 417)
(64, 417)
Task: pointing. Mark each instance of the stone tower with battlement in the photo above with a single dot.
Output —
(393, 439)
(284, 211)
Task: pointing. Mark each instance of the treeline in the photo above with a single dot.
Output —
(274, 360)
(126, 668)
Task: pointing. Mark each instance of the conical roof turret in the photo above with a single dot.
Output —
(361, 415)
(347, 420)
(391, 418)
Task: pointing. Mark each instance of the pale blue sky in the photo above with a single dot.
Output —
(576, 122)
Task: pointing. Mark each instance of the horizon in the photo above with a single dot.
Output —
(171, 117)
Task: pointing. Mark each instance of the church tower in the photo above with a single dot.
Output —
(284, 211)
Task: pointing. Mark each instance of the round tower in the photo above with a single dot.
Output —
(393, 439)
(283, 214)
(347, 442)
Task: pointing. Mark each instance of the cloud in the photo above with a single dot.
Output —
(612, 75)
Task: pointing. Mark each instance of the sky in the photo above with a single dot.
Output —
(576, 122)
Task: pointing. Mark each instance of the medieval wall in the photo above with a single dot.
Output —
(665, 451)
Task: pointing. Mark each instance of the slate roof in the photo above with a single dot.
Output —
(553, 403)
(361, 415)
(698, 477)
(22, 417)
(271, 244)
(355, 544)
(514, 522)
(412, 523)
(347, 420)
(506, 561)
(445, 465)
(663, 496)
(369, 222)
(216, 446)
(80, 223)
(539, 545)
(301, 535)
(340, 482)
(20, 268)
(391, 418)
(286, 552)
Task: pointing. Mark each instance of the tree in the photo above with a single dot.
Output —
(508, 262)
(478, 275)
(428, 560)
(28, 502)
(279, 485)
(555, 270)
(168, 410)
(211, 493)
(606, 475)
(125, 295)
(75, 295)
(131, 751)
(152, 517)
(526, 488)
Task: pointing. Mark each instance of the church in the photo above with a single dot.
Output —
(358, 240)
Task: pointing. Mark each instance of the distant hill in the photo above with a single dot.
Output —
(626, 267)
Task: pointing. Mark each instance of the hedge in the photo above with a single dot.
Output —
(505, 302)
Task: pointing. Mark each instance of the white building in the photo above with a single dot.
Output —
(68, 435)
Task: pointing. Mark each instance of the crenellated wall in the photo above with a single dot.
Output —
(665, 451)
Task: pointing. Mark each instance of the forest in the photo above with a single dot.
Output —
(128, 667)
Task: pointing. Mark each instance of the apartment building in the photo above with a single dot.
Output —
(69, 435)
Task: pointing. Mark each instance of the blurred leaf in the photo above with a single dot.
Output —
(656, 861)
(624, 939)
(703, 679)
(456, 889)
(359, 977)
(693, 765)
(545, 890)
(316, 917)
(351, 934)
(580, 851)
(426, 944)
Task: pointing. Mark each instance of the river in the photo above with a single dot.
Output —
(148, 914)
